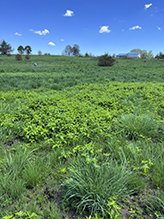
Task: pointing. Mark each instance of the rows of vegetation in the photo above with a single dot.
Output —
(81, 141)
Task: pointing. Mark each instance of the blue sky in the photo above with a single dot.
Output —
(97, 26)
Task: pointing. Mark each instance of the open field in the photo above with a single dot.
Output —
(81, 141)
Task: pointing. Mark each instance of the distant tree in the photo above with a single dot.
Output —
(135, 50)
(28, 49)
(160, 55)
(5, 48)
(39, 53)
(20, 49)
(68, 50)
(86, 54)
(143, 53)
(76, 50)
(150, 54)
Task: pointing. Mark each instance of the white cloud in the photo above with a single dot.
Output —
(159, 28)
(18, 34)
(69, 13)
(104, 29)
(135, 27)
(148, 6)
(43, 32)
(51, 44)
(62, 40)
(122, 29)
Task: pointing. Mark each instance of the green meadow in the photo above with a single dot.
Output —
(81, 141)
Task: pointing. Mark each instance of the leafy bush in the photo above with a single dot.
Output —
(18, 57)
(106, 60)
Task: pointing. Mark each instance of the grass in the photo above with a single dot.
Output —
(89, 186)
(81, 141)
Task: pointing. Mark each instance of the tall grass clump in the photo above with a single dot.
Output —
(106, 60)
(11, 169)
(133, 126)
(89, 187)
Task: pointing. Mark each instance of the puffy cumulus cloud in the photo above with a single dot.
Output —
(104, 29)
(43, 32)
(135, 27)
(51, 44)
(148, 6)
(159, 28)
(18, 34)
(69, 13)
(62, 40)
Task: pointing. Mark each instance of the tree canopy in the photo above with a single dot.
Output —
(144, 53)
(21, 49)
(68, 50)
(75, 50)
(28, 49)
(5, 48)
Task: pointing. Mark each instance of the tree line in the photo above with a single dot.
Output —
(6, 48)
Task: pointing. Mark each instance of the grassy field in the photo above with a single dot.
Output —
(81, 141)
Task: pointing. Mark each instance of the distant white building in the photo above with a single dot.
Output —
(129, 55)
(133, 55)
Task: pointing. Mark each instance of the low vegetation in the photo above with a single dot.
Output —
(81, 141)
(106, 60)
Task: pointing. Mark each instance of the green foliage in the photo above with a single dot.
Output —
(100, 128)
(75, 50)
(28, 49)
(89, 185)
(144, 53)
(5, 48)
(22, 215)
(106, 60)
(157, 176)
(11, 170)
(134, 126)
(21, 49)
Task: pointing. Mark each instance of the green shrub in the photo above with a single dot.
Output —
(106, 60)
